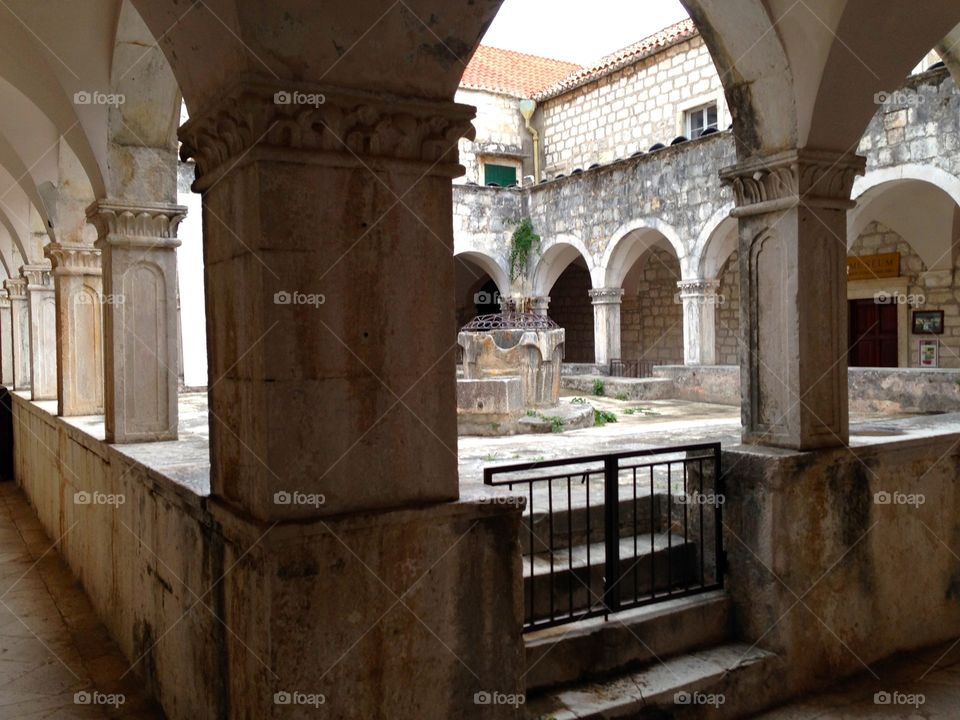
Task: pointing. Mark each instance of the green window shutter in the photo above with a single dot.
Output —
(502, 175)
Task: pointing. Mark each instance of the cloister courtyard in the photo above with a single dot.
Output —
(479, 360)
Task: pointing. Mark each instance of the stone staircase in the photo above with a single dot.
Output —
(670, 660)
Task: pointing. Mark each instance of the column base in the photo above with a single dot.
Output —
(407, 613)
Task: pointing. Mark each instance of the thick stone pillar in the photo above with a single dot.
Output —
(699, 298)
(540, 305)
(606, 323)
(138, 245)
(6, 341)
(792, 209)
(43, 331)
(78, 286)
(19, 332)
(324, 368)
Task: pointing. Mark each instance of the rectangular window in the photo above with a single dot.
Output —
(700, 119)
(501, 175)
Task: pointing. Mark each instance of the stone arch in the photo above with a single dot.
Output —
(919, 202)
(490, 266)
(717, 240)
(562, 251)
(633, 239)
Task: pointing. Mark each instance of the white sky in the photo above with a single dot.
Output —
(581, 31)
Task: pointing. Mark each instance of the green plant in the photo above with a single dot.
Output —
(622, 396)
(602, 417)
(579, 401)
(523, 243)
(630, 411)
(556, 422)
(599, 387)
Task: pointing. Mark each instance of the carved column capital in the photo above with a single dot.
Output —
(16, 288)
(38, 276)
(73, 259)
(314, 123)
(698, 287)
(4, 299)
(606, 296)
(796, 177)
(151, 225)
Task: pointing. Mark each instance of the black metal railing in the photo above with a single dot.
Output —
(631, 368)
(611, 532)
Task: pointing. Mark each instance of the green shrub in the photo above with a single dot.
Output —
(599, 387)
(602, 417)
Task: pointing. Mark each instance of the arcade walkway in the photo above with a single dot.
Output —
(52, 647)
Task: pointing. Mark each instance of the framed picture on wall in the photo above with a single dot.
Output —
(928, 322)
(928, 353)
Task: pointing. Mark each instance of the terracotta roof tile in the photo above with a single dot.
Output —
(651, 45)
(513, 73)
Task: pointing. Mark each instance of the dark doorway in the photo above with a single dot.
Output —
(873, 334)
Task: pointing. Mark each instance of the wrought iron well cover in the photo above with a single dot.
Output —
(510, 321)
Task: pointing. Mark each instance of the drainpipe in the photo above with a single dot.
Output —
(527, 108)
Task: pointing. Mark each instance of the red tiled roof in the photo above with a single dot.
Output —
(651, 45)
(513, 73)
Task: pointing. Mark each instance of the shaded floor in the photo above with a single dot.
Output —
(915, 686)
(52, 646)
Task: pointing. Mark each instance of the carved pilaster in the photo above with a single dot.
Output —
(138, 244)
(778, 182)
(16, 288)
(41, 307)
(78, 287)
(321, 124)
(792, 211)
(38, 276)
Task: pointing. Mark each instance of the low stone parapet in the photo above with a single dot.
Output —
(619, 387)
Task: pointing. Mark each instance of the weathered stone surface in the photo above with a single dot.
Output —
(42, 310)
(535, 356)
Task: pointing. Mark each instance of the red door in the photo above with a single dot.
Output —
(873, 334)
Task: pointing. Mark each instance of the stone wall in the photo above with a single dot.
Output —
(651, 318)
(877, 239)
(728, 312)
(631, 109)
(212, 607)
(571, 308)
(500, 133)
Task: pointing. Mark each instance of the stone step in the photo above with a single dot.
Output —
(596, 647)
(650, 565)
(724, 681)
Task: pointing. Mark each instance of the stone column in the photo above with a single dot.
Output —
(78, 285)
(606, 323)
(42, 307)
(792, 209)
(699, 298)
(19, 332)
(138, 244)
(314, 332)
(6, 341)
(540, 305)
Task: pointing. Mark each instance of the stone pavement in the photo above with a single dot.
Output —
(917, 686)
(54, 653)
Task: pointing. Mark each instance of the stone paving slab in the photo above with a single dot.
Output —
(52, 646)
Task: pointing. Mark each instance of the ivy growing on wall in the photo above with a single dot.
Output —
(523, 244)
